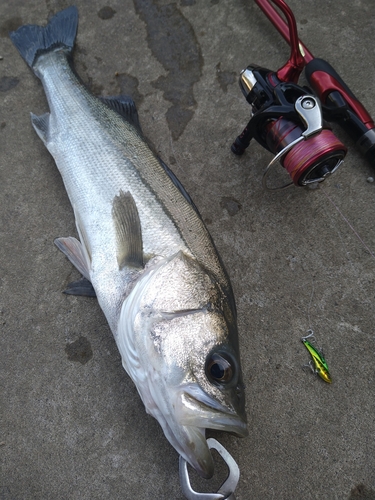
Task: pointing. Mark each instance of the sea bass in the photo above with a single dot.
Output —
(143, 250)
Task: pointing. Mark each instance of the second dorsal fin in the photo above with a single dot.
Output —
(124, 106)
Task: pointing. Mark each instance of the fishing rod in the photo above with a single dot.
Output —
(339, 103)
(290, 121)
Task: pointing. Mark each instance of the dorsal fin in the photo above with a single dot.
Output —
(178, 184)
(128, 231)
(124, 106)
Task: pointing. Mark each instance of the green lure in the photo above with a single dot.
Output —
(321, 367)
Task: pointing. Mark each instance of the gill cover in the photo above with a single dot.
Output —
(177, 346)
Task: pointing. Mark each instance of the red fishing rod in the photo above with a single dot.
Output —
(290, 121)
(339, 103)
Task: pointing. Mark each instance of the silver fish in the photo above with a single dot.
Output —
(145, 250)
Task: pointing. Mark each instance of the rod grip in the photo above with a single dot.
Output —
(341, 105)
(323, 66)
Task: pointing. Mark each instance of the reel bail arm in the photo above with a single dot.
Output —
(309, 109)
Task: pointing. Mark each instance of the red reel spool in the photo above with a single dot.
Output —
(310, 160)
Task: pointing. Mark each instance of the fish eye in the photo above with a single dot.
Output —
(219, 368)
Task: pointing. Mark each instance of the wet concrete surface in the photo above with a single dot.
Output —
(72, 424)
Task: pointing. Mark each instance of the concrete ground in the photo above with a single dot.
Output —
(72, 424)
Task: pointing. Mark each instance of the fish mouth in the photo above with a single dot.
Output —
(210, 414)
(196, 412)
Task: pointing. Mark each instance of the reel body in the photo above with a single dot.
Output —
(288, 121)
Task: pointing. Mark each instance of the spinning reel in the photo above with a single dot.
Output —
(287, 119)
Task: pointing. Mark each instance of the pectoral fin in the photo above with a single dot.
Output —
(81, 287)
(128, 231)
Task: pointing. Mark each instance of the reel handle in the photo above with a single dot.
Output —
(342, 106)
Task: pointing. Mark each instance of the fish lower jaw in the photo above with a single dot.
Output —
(237, 428)
(195, 450)
(191, 420)
(194, 412)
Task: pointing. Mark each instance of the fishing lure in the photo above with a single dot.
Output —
(321, 367)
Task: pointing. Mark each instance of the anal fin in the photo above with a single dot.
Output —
(41, 125)
(128, 231)
(73, 249)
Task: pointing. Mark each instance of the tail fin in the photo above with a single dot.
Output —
(32, 40)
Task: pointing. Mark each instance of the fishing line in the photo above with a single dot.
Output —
(309, 306)
(356, 234)
(348, 223)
